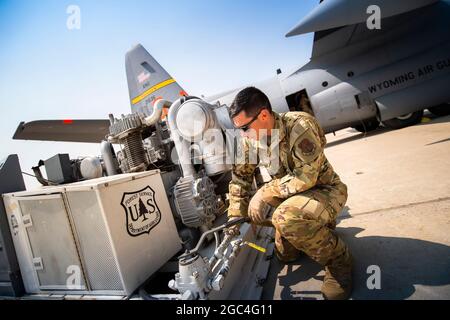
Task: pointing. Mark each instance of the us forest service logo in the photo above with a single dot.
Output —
(142, 212)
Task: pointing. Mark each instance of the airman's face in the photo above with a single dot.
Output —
(255, 127)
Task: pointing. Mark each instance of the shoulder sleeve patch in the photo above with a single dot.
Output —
(307, 147)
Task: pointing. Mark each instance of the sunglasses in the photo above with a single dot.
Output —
(246, 127)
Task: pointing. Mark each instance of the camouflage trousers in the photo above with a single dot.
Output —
(305, 222)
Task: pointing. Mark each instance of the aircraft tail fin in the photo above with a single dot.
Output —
(148, 81)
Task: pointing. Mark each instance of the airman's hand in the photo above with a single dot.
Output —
(257, 208)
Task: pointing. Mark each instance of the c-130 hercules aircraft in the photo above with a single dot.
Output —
(356, 76)
(122, 220)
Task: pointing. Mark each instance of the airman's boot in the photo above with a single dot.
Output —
(337, 284)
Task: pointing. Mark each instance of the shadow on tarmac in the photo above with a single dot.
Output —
(382, 130)
(404, 264)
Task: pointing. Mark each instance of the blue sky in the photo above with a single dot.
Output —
(50, 72)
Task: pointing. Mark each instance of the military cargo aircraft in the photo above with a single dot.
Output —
(357, 77)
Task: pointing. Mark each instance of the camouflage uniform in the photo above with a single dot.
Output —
(306, 192)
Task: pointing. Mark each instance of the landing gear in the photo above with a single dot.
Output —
(441, 110)
(367, 125)
(404, 121)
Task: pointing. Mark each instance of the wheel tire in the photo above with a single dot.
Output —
(441, 110)
(368, 125)
(405, 121)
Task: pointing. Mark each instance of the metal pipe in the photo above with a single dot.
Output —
(109, 158)
(157, 111)
(217, 237)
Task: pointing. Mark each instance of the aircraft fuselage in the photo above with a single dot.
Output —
(403, 68)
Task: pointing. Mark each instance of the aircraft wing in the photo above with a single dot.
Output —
(341, 23)
(92, 131)
(331, 14)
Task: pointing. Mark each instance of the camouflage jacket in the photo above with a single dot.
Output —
(296, 164)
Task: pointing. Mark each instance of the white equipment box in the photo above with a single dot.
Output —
(103, 236)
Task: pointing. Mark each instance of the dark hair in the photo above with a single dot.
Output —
(251, 100)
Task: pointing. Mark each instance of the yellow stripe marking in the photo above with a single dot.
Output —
(256, 247)
(151, 90)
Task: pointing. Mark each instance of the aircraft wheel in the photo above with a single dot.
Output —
(367, 125)
(441, 110)
(404, 121)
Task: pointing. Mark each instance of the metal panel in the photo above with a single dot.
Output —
(21, 244)
(98, 257)
(52, 243)
(58, 169)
